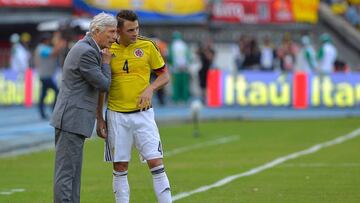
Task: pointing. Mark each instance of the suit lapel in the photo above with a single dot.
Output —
(92, 43)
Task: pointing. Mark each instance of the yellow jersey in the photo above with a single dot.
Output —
(130, 73)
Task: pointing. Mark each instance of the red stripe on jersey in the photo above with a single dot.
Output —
(161, 70)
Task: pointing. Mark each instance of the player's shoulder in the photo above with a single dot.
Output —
(114, 45)
(144, 39)
(147, 41)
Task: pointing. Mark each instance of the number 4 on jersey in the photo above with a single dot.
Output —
(126, 66)
(160, 148)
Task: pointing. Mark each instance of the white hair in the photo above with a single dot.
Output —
(101, 21)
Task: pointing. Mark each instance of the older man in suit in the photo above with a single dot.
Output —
(86, 73)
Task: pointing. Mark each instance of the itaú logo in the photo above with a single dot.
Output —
(299, 90)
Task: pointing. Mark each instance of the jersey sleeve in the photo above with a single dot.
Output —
(156, 60)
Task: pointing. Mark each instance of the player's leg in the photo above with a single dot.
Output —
(43, 93)
(120, 182)
(185, 84)
(53, 86)
(176, 86)
(161, 96)
(160, 180)
(147, 141)
(118, 151)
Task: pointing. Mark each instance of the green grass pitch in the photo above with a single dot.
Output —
(331, 174)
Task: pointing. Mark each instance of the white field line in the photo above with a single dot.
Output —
(12, 191)
(219, 141)
(268, 165)
(33, 149)
(321, 165)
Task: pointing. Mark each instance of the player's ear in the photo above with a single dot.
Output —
(118, 30)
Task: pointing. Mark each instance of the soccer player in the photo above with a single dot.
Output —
(130, 117)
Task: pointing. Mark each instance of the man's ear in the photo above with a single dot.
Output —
(96, 32)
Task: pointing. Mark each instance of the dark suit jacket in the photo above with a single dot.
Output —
(83, 78)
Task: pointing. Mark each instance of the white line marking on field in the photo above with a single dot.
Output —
(12, 191)
(18, 190)
(219, 141)
(321, 165)
(271, 164)
(31, 149)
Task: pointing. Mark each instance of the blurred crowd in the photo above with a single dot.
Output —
(23, 56)
(289, 55)
(188, 63)
(349, 9)
(46, 56)
(187, 80)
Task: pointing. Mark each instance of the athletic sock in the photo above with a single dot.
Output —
(161, 184)
(121, 187)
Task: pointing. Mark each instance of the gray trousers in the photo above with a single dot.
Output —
(68, 164)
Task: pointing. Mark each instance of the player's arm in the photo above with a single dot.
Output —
(161, 80)
(157, 64)
(101, 129)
